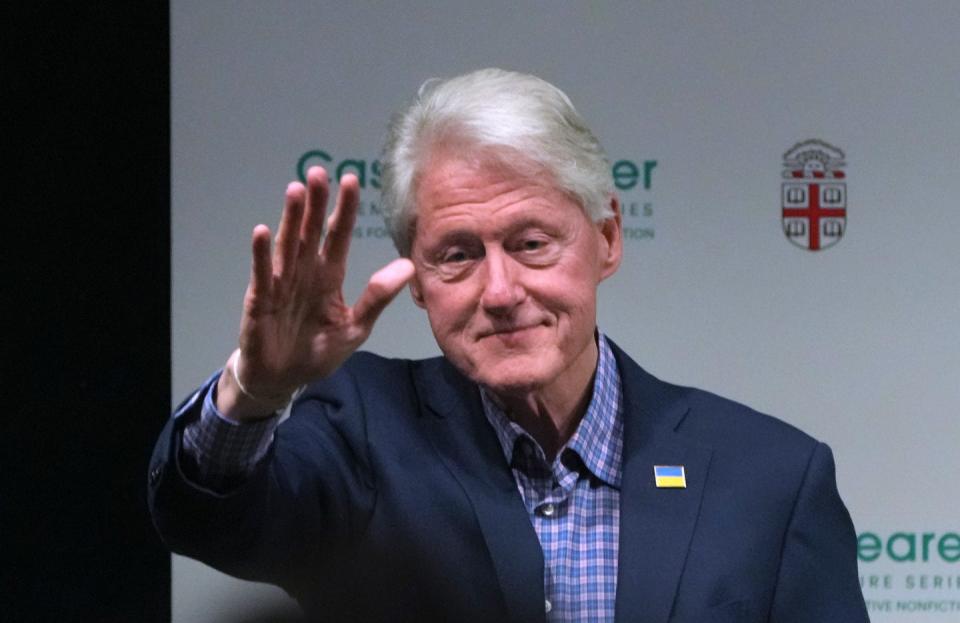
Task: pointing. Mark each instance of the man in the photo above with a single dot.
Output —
(532, 473)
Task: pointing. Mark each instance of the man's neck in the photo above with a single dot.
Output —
(552, 414)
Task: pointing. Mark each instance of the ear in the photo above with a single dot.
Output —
(611, 231)
(416, 293)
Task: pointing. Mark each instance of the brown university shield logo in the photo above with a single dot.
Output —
(814, 195)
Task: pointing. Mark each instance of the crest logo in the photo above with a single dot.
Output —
(814, 195)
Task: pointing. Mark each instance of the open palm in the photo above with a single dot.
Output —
(296, 326)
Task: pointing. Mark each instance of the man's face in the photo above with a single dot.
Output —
(507, 269)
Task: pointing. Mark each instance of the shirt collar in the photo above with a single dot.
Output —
(598, 440)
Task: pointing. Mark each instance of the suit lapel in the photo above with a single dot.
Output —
(656, 525)
(470, 451)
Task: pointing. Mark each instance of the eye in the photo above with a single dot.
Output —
(532, 244)
(455, 262)
(535, 247)
(453, 255)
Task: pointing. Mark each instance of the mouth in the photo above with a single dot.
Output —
(508, 333)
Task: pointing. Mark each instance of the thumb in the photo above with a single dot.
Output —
(382, 288)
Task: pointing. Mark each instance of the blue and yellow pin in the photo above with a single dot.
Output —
(670, 476)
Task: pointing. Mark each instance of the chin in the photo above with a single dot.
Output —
(511, 377)
(508, 369)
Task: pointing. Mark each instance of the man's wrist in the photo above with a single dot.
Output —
(235, 402)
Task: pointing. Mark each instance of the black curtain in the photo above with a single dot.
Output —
(86, 365)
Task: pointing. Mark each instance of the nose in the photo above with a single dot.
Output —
(502, 290)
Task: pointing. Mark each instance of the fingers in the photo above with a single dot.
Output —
(383, 286)
(301, 229)
(318, 191)
(340, 227)
(261, 271)
(288, 234)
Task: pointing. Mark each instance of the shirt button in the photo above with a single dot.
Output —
(547, 606)
(548, 510)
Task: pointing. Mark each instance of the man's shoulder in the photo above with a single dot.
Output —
(730, 423)
(708, 418)
(371, 373)
(370, 366)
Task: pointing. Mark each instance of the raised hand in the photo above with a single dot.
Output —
(296, 326)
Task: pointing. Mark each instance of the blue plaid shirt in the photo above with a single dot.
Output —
(573, 502)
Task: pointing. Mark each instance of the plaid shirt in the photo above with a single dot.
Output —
(217, 452)
(573, 503)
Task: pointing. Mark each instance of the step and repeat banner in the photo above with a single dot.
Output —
(790, 180)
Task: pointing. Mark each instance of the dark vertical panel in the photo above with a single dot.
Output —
(86, 370)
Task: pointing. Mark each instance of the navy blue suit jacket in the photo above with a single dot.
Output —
(386, 496)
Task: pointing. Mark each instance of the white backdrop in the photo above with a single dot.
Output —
(857, 344)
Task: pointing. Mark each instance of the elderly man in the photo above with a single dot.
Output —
(534, 472)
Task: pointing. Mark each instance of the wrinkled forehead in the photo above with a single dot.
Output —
(469, 202)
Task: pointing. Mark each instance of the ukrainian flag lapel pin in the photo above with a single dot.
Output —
(670, 476)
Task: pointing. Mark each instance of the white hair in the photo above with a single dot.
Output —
(502, 114)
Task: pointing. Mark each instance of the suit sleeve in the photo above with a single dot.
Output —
(311, 488)
(818, 580)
